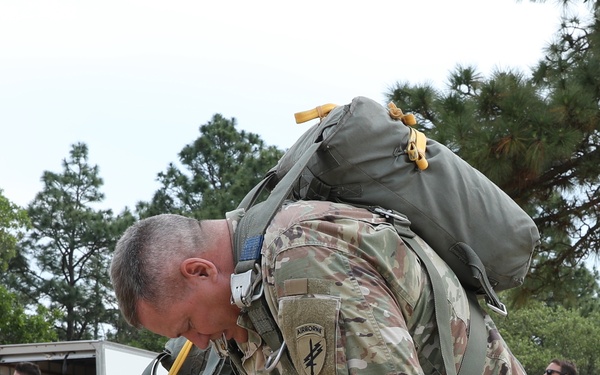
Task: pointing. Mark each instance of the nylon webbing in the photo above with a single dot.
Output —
(256, 226)
(478, 272)
(252, 227)
(235, 356)
(268, 330)
(474, 359)
(442, 311)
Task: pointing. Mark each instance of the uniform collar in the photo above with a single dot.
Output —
(233, 218)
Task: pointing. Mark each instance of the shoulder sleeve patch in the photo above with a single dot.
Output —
(309, 328)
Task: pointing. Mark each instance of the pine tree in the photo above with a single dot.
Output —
(221, 166)
(67, 251)
(13, 223)
(536, 137)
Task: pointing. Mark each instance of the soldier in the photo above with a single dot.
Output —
(348, 295)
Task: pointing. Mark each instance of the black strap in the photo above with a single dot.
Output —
(478, 273)
(235, 356)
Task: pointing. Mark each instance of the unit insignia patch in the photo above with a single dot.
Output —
(311, 348)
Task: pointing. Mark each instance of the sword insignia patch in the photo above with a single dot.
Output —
(311, 348)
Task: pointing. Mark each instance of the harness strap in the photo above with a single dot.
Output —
(251, 230)
(235, 355)
(474, 357)
(442, 313)
(267, 328)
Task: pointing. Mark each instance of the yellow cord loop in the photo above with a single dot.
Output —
(183, 353)
(396, 113)
(319, 112)
(416, 149)
(417, 143)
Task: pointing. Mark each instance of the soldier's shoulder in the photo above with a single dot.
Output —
(326, 210)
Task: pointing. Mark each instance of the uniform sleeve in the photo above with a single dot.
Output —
(337, 312)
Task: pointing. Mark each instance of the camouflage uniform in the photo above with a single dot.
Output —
(351, 298)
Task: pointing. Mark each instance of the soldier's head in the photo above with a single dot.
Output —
(152, 256)
(171, 274)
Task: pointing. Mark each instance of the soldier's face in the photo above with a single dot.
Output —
(201, 314)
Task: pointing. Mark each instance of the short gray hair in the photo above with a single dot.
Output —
(146, 260)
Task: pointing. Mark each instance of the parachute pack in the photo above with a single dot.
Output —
(367, 155)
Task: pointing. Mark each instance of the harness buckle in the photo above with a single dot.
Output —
(274, 358)
(496, 306)
(389, 214)
(243, 287)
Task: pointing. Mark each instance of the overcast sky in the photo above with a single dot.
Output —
(134, 80)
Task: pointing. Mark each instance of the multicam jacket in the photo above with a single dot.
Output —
(351, 298)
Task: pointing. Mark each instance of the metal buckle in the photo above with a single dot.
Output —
(497, 306)
(242, 287)
(274, 358)
(389, 214)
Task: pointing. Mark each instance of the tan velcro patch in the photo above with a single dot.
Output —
(311, 347)
(308, 324)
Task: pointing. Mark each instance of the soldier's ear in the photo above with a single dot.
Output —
(197, 267)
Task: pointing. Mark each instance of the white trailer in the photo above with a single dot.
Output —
(93, 357)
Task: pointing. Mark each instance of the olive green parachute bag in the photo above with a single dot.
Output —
(369, 155)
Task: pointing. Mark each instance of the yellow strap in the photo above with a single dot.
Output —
(396, 113)
(319, 112)
(417, 143)
(416, 148)
(422, 162)
(183, 353)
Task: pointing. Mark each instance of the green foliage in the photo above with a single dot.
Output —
(17, 326)
(538, 333)
(222, 165)
(570, 287)
(65, 256)
(537, 138)
(13, 222)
